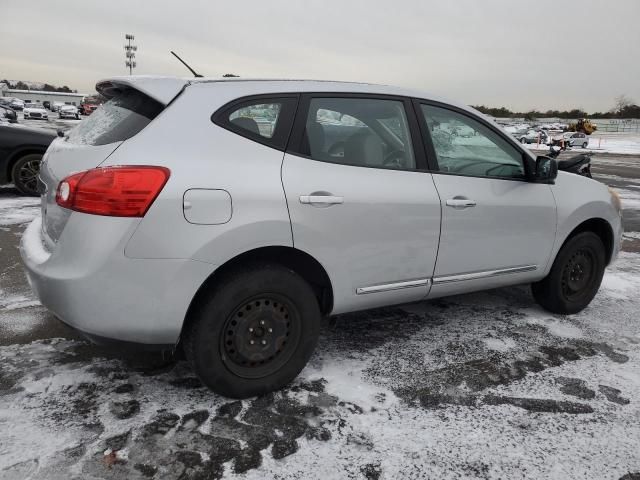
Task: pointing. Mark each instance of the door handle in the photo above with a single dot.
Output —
(321, 200)
(460, 203)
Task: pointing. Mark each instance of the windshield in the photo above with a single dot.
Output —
(120, 118)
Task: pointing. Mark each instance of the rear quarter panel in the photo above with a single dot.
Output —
(202, 155)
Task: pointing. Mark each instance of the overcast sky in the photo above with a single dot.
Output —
(522, 54)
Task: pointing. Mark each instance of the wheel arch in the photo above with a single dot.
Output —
(297, 260)
(600, 227)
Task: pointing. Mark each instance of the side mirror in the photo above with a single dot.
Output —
(546, 169)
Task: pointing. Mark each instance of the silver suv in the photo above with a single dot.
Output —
(230, 217)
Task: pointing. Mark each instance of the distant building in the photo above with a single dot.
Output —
(38, 96)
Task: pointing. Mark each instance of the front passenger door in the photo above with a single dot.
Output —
(497, 227)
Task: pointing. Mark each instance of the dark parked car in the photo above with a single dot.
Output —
(8, 114)
(21, 150)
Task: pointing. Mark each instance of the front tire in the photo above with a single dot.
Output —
(575, 275)
(25, 174)
(254, 333)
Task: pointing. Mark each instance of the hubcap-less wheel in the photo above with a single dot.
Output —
(25, 174)
(255, 332)
(575, 275)
(260, 336)
(578, 274)
(28, 175)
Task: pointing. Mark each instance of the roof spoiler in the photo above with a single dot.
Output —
(162, 89)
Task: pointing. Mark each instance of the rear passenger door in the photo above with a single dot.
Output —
(360, 199)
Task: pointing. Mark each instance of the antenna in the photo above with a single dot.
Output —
(185, 64)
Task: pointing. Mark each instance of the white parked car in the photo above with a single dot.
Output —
(55, 106)
(172, 219)
(554, 126)
(576, 139)
(68, 111)
(34, 110)
(516, 129)
(533, 136)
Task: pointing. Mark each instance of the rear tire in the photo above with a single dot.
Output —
(254, 333)
(584, 145)
(575, 275)
(25, 174)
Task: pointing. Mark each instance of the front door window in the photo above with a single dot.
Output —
(465, 146)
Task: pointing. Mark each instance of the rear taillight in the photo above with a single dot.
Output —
(114, 191)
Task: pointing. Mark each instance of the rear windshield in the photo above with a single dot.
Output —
(120, 118)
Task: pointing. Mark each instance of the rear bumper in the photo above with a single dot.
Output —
(123, 345)
(88, 283)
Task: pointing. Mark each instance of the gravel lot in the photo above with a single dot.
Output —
(485, 385)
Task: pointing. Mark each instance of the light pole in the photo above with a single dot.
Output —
(130, 52)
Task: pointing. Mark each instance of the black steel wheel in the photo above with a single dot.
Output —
(253, 332)
(260, 336)
(578, 273)
(25, 174)
(575, 275)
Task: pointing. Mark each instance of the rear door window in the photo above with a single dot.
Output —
(358, 131)
(119, 119)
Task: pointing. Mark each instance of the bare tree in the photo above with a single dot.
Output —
(622, 101)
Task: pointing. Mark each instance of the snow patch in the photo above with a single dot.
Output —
(15, 302)
(556, 327)
(19, 322)
(15, 211)
(620, 284)
(502, 345)
(32, 242)
(630, 199)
